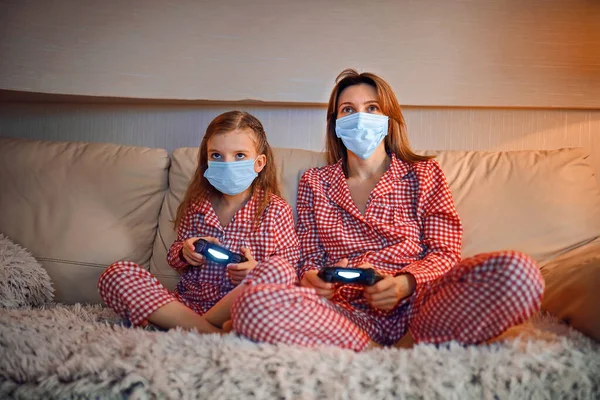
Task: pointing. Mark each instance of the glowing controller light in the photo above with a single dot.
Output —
(349, 274)
(218, 254)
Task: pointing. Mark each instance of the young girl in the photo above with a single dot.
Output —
(233, 200)
(379, 205)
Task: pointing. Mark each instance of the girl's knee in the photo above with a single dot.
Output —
(114, 272)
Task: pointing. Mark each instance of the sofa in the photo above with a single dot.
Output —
(76, 207)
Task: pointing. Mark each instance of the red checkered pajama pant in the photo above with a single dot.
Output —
(477, 300)
(134, 293)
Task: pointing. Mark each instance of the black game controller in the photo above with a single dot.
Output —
(358, 276)
(218, 254)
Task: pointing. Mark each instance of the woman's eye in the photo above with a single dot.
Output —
(347, 110)
(372, 108)
(240, 156)
(215, 156)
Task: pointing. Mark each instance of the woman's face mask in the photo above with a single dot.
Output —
(361, 132)
(231, 177)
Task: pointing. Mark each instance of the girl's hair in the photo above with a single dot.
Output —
(200, 188)
(396, 141)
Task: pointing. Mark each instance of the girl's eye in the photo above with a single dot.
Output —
(347, 110)
(372, 108)
(240, 156)
(215, 156)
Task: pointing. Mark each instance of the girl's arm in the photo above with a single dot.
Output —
(312, 253)
(186, 229)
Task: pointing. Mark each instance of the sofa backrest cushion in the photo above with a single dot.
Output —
(80, 206)
(543, 203)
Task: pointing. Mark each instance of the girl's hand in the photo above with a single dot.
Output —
(189, 252)
(385, 294)
(237, 272)
(325, 289)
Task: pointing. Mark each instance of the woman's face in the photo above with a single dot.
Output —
(358, 98)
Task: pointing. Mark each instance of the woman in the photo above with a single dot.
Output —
(379, 205)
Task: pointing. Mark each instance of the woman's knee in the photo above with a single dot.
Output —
(256, 297)
(519, 272)
(274, 270)
(249, 308)
(264, 305)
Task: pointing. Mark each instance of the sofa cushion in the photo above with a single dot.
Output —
(80, 206)
(543, 203)
(573, 288)
(291, 164)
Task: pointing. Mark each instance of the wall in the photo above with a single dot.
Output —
(501, 53)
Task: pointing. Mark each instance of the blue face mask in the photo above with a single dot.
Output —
(231, 177)
(362, 132)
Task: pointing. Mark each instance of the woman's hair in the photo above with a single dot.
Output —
(200, 188)
(396, 141)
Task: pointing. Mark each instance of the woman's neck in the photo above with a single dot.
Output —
(373, 167)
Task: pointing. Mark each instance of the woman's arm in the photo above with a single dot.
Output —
(441, 233)
(441, 230)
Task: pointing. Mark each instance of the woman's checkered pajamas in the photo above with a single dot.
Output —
(410, 225)
(135, 294)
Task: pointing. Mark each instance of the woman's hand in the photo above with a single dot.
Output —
(325, 289)
(237, 272)
(385, 294)
(189, 252)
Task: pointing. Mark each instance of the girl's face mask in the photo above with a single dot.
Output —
(231, 177)
(361, 132)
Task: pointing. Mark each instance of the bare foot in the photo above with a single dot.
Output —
(227, 326)
(407, 341)
(525, 332)
(372, 345)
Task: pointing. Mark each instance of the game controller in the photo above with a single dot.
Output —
(218, 254)
(358, 276)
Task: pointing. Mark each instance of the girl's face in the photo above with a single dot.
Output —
(236, 145)
(358, 98)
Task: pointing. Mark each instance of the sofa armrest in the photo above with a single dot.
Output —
(573, 288)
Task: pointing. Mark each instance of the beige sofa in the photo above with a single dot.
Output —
(80, 206)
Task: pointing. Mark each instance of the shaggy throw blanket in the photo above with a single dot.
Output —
(82, 352)
(23, 281)
(62, 352)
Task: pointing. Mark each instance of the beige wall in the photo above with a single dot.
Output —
(507, 53)
(303, 127)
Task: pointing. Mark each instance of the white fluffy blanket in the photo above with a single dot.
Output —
(79, 352)
(62, 352)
